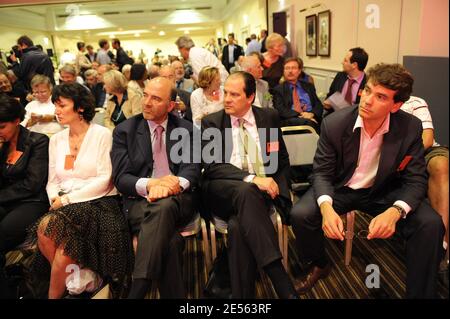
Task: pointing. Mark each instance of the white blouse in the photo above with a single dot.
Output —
(201, 106)
(38, 108)
(90, 177)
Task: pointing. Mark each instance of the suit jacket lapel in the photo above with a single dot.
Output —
(350, 149)
(145, 144)
(390, 147)
(226, 136)
(170, 143)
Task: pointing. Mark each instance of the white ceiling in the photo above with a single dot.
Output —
(120, 17)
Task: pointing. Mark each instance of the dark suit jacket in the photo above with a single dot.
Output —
(222, 169)
(238, 51)
(337, 156)
(282, 101)
(89, 57)
(26, 180)
(132, 158)
(338, 84)
(185, 96)
(122, 58)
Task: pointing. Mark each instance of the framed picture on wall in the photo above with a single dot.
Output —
(324, 33)
(311, 35)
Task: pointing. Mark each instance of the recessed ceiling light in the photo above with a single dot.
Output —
(186, 31)
(137, 35)
(161, 33)
(111, 36)
(153, 27)
(120, 29)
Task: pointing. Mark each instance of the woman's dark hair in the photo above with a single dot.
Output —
(82, 98)
(137, 71)
(80, 45)
(10, 109)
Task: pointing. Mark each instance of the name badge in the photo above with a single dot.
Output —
(14, 157)
(69, 162)
(273, 146)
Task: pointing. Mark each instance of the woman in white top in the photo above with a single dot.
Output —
(85, 226)
(40, 113)
(208, 98)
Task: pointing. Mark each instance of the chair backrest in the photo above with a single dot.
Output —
(301, 144)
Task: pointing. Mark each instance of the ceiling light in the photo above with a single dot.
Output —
(161, 33)
(186, 31)
(111, 36)
(137, 35)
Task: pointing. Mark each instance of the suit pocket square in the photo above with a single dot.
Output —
(404, 163)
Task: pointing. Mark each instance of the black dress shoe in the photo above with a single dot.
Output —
(316, 273)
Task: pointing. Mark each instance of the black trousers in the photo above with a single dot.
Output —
(252, 241)
(14, 221)
(160, 247)
(422, 229)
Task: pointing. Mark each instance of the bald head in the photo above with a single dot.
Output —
(167, 72)
(157, 99)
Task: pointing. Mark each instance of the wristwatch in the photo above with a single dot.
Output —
(400, 210)
(65, 200)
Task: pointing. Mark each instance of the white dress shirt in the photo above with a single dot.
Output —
(199, 58)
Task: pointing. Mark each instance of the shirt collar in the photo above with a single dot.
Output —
(249, 118)
(384, 128)
(152, 125)
(358, 79)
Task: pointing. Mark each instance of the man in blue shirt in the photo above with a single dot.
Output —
(296, 100)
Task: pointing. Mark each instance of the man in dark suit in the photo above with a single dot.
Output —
(158, 189)
(371, 158)
(122, 57)
(231, 53)
(297, 101)
(353, 76)
(242, 181)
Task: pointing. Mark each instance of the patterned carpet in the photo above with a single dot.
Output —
(343, 282)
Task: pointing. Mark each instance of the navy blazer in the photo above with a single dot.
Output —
(26, 180)
(266, 118)
(282, 101)
(132, 158)
(337, 157)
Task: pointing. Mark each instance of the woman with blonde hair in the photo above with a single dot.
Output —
(124, 103)
(273, 63)
(208, 98)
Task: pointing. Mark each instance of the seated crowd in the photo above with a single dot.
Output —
(109, 196)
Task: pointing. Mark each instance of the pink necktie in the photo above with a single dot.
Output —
(161, 164)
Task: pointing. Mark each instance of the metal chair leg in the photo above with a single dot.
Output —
(206, 245)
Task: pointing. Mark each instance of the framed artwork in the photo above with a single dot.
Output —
(311, 35)
(324, 34)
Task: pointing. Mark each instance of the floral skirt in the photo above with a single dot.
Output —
(95, 234)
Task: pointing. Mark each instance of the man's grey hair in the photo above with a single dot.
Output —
(184, 42)
(248, 62)
(68, 68)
